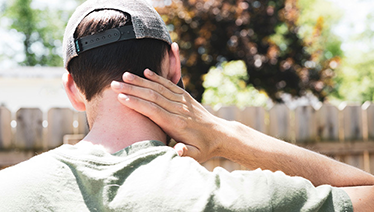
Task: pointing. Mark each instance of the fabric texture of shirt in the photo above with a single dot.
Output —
(149, 176)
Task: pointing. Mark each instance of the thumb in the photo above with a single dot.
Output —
(184, 150)
(180, 148)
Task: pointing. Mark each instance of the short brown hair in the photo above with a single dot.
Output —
(95, 69)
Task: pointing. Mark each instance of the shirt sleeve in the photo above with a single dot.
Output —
(261, 190)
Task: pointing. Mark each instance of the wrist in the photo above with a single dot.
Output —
(218, 135)
(228, 136)
(242, 145)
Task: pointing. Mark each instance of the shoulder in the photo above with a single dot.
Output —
(30, 166)
(33, 170)
(22, 184)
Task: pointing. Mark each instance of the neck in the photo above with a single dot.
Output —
(115, 126)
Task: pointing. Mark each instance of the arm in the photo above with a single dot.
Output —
(201, 135)
(273, 154)
(361, 197)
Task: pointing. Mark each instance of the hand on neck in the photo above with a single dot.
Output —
(115, 126)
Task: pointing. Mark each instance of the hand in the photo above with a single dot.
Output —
(174, 110)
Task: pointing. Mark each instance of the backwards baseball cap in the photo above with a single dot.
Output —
(146, 23)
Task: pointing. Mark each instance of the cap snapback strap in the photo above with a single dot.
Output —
(104, 38)
(107, 37)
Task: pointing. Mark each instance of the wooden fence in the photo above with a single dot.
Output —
(346, 134)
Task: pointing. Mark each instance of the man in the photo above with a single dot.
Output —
(202, 136)
(123, 163)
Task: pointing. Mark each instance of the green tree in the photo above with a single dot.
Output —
(316, 19)
(264, 34)
(356, 76)
(42, 32)
(225, 85)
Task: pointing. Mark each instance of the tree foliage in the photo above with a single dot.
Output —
(225, 85)
(262, 33)
(42, 32)
(356, 76)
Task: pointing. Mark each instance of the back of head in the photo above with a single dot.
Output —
(94, 67)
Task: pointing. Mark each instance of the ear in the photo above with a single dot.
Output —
(174, 64)
(76, 98)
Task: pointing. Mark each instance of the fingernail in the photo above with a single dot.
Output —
(123, 97)
(116, 85)
(175, 46)
(180, 152)
(129, 76)
(149, 72)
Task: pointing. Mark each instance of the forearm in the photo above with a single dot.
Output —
(361, 197)
(253, 149)
(201, 135)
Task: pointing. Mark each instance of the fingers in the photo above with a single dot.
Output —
(180, 148)
(153, 111)
(185, 150)
(163, 81)
(138, 85)
(171, 104)
(159, 91)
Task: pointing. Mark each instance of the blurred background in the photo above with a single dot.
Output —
(234, 52)
(298, 70)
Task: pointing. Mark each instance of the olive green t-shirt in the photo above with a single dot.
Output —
(149, 176)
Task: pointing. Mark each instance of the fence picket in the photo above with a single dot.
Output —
(29, 130)
(5, 128)
(229, 165)
(279, 122)
(254, 117)
(371, 162)
(229, 113)
(210, 109)
(369, 119)
(212, 163)
(366, 157)
(305, 124)
(352, 123)
(60, 123)
(355, 160)
(327, 123)
(82, 123)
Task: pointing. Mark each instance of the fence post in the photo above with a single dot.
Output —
(60, 123)
(5, 128)
(29, 130)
